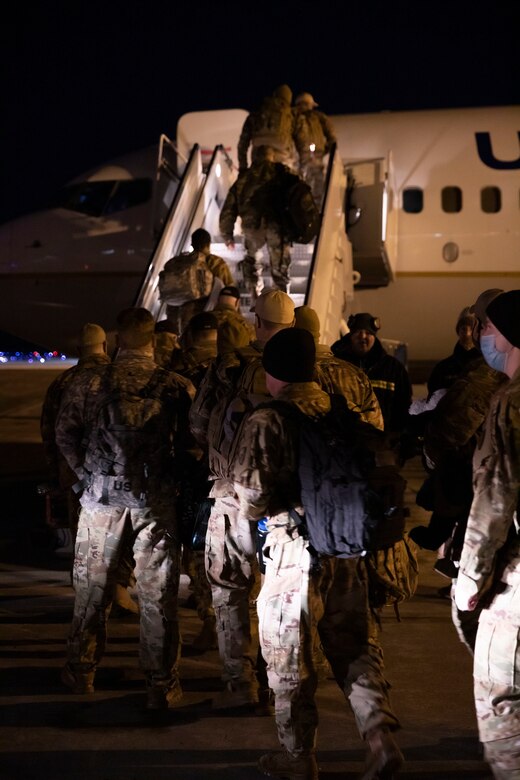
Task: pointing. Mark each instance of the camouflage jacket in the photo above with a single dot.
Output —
(313, 127)
(234, 330)
(255, 130)
(337, 376)
(457, 420)
(220, 269)
(492, 544)
(51, 407)
(76, 427)
(193, 362)
(265, 466)
(254, 197)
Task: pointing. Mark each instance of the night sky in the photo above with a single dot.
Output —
(85, 81)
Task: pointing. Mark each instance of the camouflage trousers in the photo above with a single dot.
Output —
(312, 172)
(297, 607)
(194, 565)
(466, 624)
(232, 569)
(279, 257)
(101, 539)
(496, 685)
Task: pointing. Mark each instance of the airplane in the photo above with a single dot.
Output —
(431, 211)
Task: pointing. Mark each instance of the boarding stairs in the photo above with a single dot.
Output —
(321, 271)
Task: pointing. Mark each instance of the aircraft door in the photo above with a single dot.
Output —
(166, 183)
(366, 215)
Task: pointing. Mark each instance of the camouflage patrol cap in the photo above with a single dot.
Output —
(275, 306)
(305, 317)
(466, 317)
(483, 301)
(91, 335)
(305, 97)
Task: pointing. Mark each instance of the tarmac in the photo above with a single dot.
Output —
(48, 733)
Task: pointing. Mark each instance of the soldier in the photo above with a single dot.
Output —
(93, 359)
(315, 137)
(201, 242)
(274, 125)
(337, 376)
(388, 376)
(254, 197)
(193, 363)
(447, 371)
(233, 383)
(117, 431)
(489, 573)
(234, 330)
(299, 599)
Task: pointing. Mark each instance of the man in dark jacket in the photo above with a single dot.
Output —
(388, 376)
(447, 371)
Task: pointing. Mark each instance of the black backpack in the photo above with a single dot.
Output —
(351, 506)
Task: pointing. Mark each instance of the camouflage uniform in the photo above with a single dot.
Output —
(337, 376)
(220, 269)
(231, 564)
(193, 364)
(236, 382)
(255, 133)
(297, 601)
(111, 513)
(450, 439)
(234, 330)
(491, 560)
(314, 127)
(253, 198)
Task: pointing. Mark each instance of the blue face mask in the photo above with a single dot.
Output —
(492, 356)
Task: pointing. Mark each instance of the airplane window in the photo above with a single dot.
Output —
(126, 194)
(451, 199)
(413, 200)
(88, 197)
(491, 200)
(98, 198)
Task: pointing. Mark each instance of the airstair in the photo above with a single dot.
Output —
(321, 272)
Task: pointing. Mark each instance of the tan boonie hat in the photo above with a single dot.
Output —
(91, 335)
(305, 97)
(483, 301)
(274, 306)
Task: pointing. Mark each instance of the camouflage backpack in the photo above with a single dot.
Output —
(185, 278)
(273, 124)
(130, 441)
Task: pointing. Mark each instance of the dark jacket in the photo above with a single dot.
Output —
(448, 370)
(388, 377)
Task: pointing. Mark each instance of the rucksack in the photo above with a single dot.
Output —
(185, 278)
(129, 445)
(350, 506)
(301, 218)
(393, 574)
(273, 124)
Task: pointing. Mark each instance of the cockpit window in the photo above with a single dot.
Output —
(101, 198)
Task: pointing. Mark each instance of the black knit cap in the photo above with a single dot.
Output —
(290, 355)
(504, 313)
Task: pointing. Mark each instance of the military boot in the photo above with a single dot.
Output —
(385, 758)
(286, 767)
(78, 682)
(162, 697)
(123, 603)
(235, 695)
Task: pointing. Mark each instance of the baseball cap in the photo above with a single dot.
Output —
(305, 317)
(203, 321)
(91, 335)
(231, 291)
(274, 306)
(305, 97)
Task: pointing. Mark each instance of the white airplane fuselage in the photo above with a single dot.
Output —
(451, 229)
